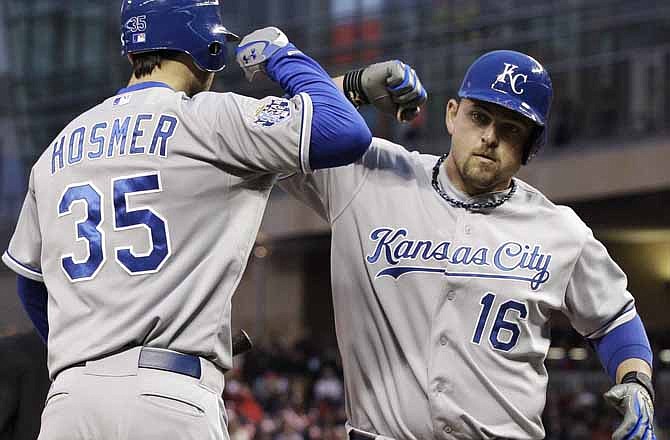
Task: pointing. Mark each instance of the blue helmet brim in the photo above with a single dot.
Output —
(509, 102)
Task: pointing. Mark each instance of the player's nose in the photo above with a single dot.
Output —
(490, 136)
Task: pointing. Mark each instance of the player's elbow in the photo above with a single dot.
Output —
(359, 140)
(345, 145)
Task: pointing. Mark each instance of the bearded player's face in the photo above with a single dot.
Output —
(487, 144)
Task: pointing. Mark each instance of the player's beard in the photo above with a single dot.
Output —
(481, 176)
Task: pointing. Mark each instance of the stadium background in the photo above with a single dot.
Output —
(608, 158)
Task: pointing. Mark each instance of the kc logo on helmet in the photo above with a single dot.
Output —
(510, 78)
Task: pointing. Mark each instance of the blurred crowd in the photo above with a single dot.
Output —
(295, 392)
(280, 392)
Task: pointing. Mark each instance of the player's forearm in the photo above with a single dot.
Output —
(339, 82)
(296, 72)
(632, 364)
(625, 347)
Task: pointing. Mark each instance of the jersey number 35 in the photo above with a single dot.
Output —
(88, 229)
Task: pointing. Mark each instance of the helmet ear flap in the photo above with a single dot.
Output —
(536, 140)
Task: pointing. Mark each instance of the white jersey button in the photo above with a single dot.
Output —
(468, 229)
(451, 295)
(444, 340)
(448, 429)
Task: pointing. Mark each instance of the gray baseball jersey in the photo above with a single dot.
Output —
(140, 217)
(441, 313)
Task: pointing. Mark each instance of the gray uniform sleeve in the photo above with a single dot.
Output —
(329, 191)
(271, 135)
(25, 248)
(597, 299)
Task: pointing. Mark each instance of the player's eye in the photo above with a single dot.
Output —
(513, 132)
(479, 118)
(513, 129)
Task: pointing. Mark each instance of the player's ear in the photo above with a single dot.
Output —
(450, 117)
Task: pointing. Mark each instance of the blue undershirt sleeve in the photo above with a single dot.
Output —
(339, 133)
(627, 341)
(33, 295)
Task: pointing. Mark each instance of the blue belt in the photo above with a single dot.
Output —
(164, 360)
(185, 364)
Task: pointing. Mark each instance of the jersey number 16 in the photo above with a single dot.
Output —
(512, 331)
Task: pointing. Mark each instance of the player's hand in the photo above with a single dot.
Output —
(393, 87)
(257, 48)
(633, 401)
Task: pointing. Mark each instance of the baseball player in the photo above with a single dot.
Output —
(140, 216)
(446, 270)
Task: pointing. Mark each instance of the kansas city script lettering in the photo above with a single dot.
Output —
(393, 247)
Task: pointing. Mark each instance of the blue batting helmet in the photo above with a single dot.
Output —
(516, 81)
(193, 27)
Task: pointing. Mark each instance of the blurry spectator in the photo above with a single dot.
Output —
(239, 397)
(334, 433)
(328, 387)
(271, 389)
(288, 432)
(237, 429)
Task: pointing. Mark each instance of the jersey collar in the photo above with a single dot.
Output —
(142, 86)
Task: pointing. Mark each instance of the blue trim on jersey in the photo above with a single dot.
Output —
(142, 86)
(630, 305)
(339, 134)
(629, 340)
(28, 268)
(302, 133)
(33, 295)
(397, 271)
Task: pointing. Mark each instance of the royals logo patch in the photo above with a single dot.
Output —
(272, 113)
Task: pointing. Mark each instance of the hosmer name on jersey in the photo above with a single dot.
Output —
(509, 261)
(142, 134)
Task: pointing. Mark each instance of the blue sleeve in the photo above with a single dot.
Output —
(339, 134)
(627, 341)
(33, 295)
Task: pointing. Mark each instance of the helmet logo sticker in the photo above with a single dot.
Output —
(516, 80)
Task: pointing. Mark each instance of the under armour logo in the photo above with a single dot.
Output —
(510, 77)
(252, 56)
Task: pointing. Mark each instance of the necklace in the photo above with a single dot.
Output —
(473, 206)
